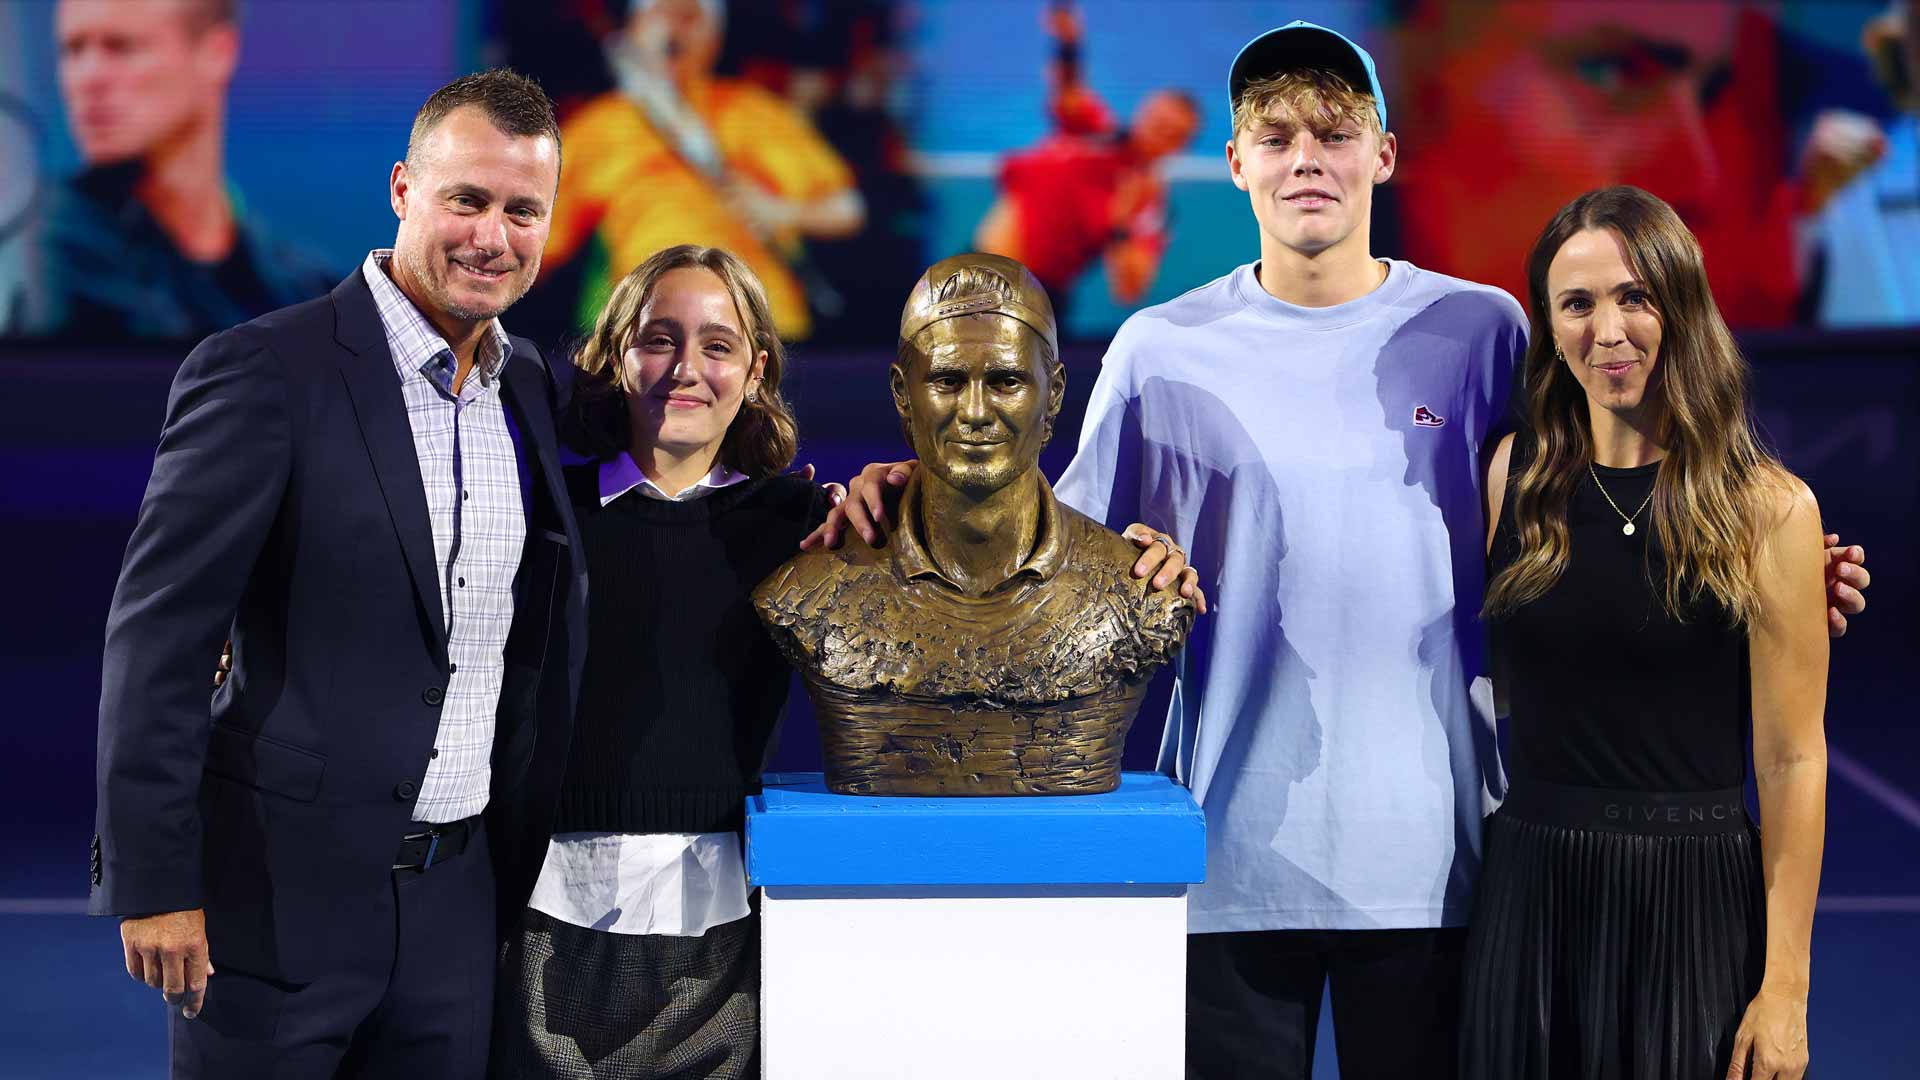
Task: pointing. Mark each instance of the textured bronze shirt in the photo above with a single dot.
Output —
(921, 689)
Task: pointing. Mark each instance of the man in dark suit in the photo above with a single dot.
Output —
(363, 491)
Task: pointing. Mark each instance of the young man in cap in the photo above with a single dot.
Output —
(1311, 426)
(1317, 411)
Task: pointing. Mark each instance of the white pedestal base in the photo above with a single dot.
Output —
(973, 983)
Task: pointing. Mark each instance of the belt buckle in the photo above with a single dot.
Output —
(432, 836)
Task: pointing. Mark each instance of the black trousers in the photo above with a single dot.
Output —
(1253, 1002)
(411, 998)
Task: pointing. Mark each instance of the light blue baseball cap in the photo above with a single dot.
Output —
(1301, 44)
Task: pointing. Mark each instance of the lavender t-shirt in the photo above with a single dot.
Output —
(1322, 467)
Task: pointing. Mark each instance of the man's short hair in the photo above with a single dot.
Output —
(203, 15)
(512, 102)
(1307, 94)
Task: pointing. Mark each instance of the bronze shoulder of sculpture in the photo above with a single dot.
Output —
(1159, 618)
(800, 602)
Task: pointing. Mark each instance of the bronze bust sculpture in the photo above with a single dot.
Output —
(999, 644)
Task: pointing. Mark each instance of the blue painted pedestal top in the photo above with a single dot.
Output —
(1145, 832)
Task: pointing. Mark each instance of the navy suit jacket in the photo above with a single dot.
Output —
(286, 511)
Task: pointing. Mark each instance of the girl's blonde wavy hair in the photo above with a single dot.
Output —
(1717, 493)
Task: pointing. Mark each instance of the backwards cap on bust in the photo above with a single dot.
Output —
(979, 284)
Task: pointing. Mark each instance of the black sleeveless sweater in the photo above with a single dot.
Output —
(682, 685)
(1604, 688)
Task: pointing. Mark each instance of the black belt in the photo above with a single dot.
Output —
(438, 843)
(1655, 813)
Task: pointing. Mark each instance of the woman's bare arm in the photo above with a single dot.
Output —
(1788, 645)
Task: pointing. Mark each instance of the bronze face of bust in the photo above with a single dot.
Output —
(999, 643)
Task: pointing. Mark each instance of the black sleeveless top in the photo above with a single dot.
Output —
(1604, 688)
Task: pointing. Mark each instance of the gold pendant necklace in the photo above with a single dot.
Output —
(1626, 527)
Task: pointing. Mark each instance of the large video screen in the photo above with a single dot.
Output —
(172, 167)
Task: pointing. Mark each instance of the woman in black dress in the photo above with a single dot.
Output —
(1655, 596)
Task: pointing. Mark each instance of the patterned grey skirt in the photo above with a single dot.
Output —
(592, 1005)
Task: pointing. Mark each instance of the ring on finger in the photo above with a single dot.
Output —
(1167, 541)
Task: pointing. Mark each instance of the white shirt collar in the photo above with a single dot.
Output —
(619, 475)
(415, 344)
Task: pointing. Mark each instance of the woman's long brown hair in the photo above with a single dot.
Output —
(763, 437)
(1717, 491)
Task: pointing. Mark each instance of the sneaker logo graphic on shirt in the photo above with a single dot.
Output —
(1425, 417)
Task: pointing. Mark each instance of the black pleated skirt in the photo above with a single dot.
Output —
(1615, 936)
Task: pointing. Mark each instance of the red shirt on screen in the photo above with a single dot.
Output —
(1067, 192)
